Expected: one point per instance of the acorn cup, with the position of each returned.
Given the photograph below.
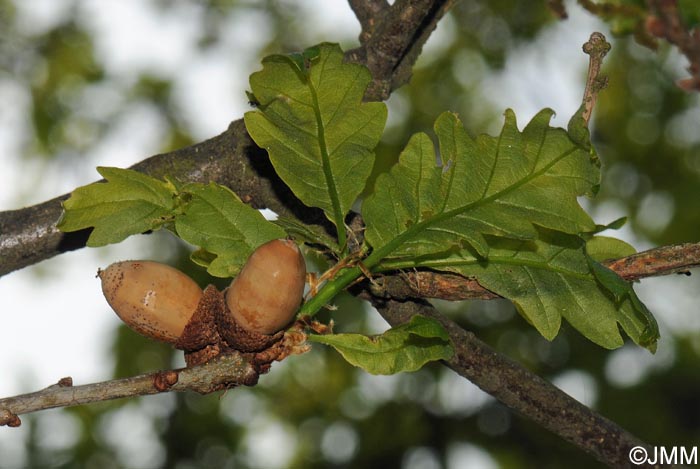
(162, 303)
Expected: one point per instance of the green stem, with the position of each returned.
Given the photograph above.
(329, 291)
(347, 276)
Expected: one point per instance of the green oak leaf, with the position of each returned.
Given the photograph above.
(319, 134)
(498, 186)
(226, 229)
(127, 203)
(403, 348)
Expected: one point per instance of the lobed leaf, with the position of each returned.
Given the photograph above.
(505, 210)
(403, 348)
(127, 203)
(319, 134)
(492, 186)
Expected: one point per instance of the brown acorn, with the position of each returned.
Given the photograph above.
(266, 294)
(153, 299)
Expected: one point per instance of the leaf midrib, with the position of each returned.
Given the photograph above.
(338, 218)
(394, 244)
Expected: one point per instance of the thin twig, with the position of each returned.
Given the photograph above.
(223, 372)
(596, 47)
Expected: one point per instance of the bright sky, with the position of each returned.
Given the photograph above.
(56, 322)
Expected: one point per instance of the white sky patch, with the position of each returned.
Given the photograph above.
(268, 443)
(39, 16)
(210, 94)
(131, 433)
(14, 131)
(458, 396)
(679, 315)
(134, 36)
(466, 456)
(210, 90)
(332, 21)
(135, 135)
(579, 385)
(629, 365)
(339, 442)
(421, 457)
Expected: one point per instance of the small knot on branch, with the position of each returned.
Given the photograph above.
(164, 380)
(597, 48)
(9, 418)
(597, 44)
(66, 382)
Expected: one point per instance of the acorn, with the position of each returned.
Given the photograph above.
(267, 293)
(153, 299)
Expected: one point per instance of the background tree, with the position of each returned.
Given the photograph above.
(317, 407)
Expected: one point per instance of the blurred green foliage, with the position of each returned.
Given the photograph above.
(316, 411)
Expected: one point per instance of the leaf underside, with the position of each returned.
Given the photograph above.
(505, 211)
(500, 186)
(551, 278)
(403, 348)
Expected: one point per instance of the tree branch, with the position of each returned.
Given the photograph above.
(596, 48)
(392, 45)
(368, 13)
(29, 235)
(223, 372)
(520, 389)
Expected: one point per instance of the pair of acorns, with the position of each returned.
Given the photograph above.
(162, 303)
